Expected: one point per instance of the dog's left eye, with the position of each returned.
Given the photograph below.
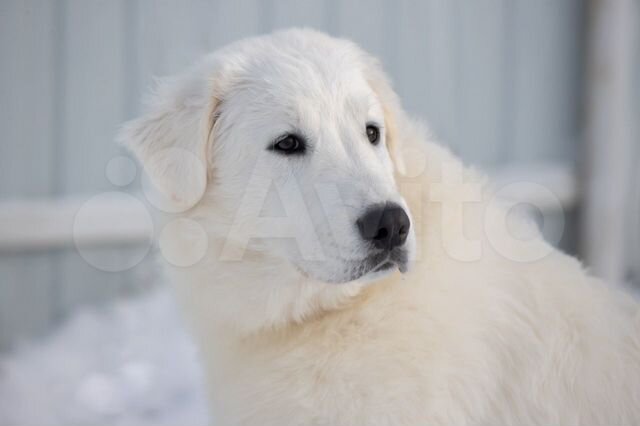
(289, 144)
(373, 134)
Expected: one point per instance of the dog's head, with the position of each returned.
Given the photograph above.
(286, 146)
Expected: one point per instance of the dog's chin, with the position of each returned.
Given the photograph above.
(381, 272)
(370, 269)
(395, 262)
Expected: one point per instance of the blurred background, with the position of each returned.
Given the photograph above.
(544, 91)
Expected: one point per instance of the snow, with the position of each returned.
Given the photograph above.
(131, 364)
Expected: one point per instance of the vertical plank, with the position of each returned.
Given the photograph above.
(27, 37)
(480, 80)
(633, 240)
(239, 19)
(296, 13)
(84, 283)
(547, 79)
(28, 34)
(94, 106)
(94, 76)
(26, 308)
(441, 80)
(414, 66)
(608, 169)
(169, 36)
(370, 23)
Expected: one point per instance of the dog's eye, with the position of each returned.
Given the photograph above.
(289, 144)
(373, 133)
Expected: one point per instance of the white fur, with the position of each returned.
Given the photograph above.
(483, 329)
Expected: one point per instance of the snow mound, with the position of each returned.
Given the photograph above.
(131, 364)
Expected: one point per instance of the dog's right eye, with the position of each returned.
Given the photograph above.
(289, 144)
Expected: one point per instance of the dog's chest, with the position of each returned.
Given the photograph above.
(341, 379)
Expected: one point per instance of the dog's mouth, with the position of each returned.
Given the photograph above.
(371, 268)
(385, 266)
(380, 263)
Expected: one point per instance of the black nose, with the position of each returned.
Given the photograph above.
(386, 226)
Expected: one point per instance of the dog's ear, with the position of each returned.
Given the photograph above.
(395, 118)
(172, 139)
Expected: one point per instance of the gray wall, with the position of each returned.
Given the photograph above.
(498, 80)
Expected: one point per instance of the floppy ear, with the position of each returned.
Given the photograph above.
(172, 139)
(395, 119)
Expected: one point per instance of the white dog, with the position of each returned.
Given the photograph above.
(339, 269)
